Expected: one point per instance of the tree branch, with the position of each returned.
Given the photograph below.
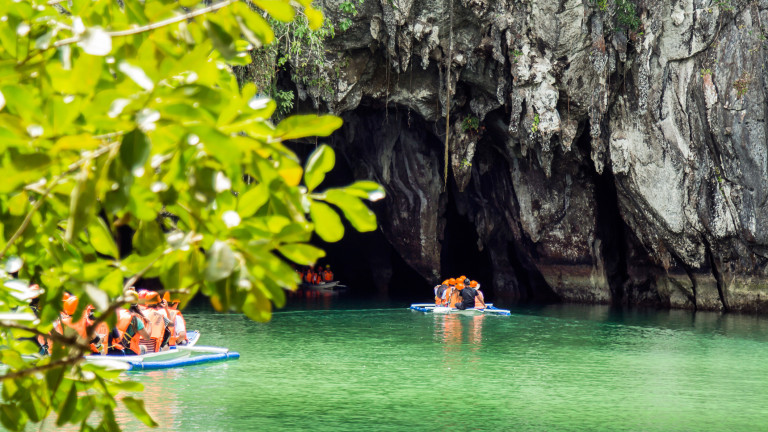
(153, 26)
(72, 360)
(54, 336)
(72, 168)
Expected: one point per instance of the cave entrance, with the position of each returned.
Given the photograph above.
(365, 262)
(460, 253)
(610, 227)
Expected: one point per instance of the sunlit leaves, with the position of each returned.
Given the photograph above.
(319, 163)
(129, 150)
(301, 126)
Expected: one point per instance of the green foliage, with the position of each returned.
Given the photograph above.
(470, 123)
(742, 85)
(704, 72)
(624, 12)
(535, 124)
(127, 114)
(515, 55)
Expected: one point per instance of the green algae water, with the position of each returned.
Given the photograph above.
(562, 368)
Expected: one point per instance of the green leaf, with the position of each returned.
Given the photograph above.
(301, 253)
(81, 203)
(101, 238)
(302, 126)
(360, 216)
(327, 222)
(220, 262)
(320, 162)
(366, 189)
(136, 406)
(134, 151)
(67, 408)
(251, 201)
(257, 25)
(11, 417)
(2, 101)
(279, 9)
(314, 17)
(222, 40)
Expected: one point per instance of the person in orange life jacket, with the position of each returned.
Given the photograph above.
(440, 291)
(454, 298)
(467, 295)
(479, 297)
(131, 327)
(309, 276)
(179, 325)
(161, 325)
(80, 326)
(327, 274)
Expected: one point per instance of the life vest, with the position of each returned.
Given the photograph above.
(453, 297)
(172, 318)
(328, 275)
(124, 319)
(81, 327)
(156, 319)
(479, 300)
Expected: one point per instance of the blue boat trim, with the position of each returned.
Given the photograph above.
(496, 310)
(187, 361)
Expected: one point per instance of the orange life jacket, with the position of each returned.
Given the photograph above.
(157, 319)
(309, 277)
(172, 317)
(124, 318)
(328, 275)
(81, 327)
(479, 300)
(454, 297)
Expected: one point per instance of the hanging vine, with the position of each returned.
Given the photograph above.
(448, 62)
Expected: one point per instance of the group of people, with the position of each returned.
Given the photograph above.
(316, 275)
(151, 324)
(460, 293)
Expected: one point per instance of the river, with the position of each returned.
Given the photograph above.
(386, 368)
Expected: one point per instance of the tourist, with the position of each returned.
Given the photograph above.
(479, 297)
(467, 295)
(328, 274)
(161, 325)
(131, 327)
(179, 336)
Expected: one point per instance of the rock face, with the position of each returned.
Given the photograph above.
(599, 160)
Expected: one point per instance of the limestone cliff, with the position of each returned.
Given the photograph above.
(597, 163)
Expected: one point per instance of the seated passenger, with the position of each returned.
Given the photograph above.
(179, 335)
(467, 295)
(131, 327)
(479, 298)
(440, 291)
(161, 326)
(327, 274)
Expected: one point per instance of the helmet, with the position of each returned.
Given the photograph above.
(473, 283)
(152, 298)
(70, 305)
(327, 266)
(461, 278)
(460, 286)
(451, 281)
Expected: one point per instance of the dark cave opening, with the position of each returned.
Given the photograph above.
(610, 227)
(365, 262)
(459, 253)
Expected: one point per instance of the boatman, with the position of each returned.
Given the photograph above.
(467, 295)
(479, 297)
(179, 325)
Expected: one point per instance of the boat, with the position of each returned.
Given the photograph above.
(430, 307)
(176, 356)
(332, 287)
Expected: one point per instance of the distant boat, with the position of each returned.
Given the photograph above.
(332, 287)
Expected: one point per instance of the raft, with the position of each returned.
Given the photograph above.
(332, 287)
(430, 307)
(178, 356)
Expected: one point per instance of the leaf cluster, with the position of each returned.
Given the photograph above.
(130, 150)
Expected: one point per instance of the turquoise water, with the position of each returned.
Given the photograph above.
(562, 368)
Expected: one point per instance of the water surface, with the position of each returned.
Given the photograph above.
(561, 368)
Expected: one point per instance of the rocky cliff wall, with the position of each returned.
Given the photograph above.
(599, 161)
